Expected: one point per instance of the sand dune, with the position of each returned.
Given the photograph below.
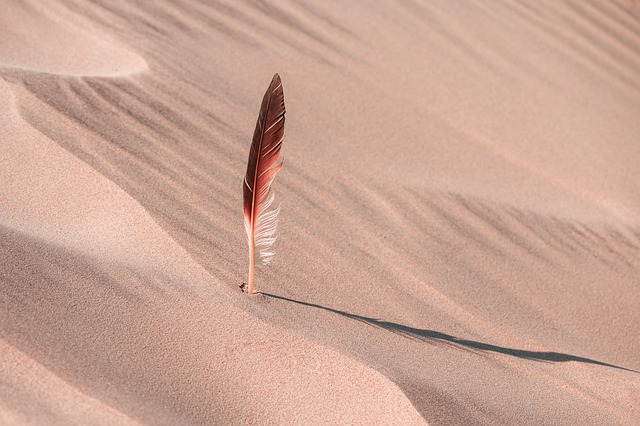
(459, 235)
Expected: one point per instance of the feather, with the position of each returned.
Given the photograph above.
(259, 219)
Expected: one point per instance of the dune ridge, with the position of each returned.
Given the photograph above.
(44, 39)
(459, 239)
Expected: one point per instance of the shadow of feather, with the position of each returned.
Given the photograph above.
(434, 337)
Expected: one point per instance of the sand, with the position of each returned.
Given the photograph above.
(459, 238)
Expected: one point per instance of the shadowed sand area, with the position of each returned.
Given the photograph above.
(459, 239)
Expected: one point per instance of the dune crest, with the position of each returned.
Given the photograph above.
(39, 396)
(42, 38)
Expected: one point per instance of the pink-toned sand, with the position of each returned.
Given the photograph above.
(459, 239)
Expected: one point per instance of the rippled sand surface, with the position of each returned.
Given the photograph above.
(459, 239)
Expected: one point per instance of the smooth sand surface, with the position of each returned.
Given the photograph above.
(459, 239)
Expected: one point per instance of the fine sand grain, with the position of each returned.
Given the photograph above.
(459, 240)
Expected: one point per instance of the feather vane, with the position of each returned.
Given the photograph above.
(260, 220)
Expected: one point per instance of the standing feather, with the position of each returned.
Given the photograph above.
(260, 222)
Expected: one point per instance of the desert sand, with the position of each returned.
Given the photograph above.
(459, 237)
